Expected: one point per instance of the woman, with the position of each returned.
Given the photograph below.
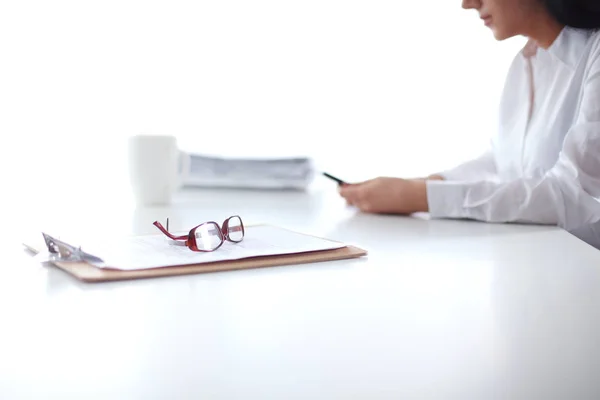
(544, 163)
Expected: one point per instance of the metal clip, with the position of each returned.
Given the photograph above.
(59, 251)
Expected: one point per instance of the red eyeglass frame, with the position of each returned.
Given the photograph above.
(190, 238)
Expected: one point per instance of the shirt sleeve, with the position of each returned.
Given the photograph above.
(480, 168)
(567, 195)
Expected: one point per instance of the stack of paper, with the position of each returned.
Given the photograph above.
(271, 173)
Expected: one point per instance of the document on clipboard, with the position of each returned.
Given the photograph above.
(157, 251)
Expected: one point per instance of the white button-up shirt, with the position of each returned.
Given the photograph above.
(544, 162)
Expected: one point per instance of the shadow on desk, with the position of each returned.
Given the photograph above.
(420, 227)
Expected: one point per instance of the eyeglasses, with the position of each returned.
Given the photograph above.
(209, 236)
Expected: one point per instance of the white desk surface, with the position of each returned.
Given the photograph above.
(439, 309)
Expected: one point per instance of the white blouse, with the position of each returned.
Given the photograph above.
(544, 162)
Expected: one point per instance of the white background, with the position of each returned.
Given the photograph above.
(365, 87)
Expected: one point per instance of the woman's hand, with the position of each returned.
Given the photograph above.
(387, 195)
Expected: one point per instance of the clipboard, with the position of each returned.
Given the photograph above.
(88, 273)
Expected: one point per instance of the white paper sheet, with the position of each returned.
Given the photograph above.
(155, 251)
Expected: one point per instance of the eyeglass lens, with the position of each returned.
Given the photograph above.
(208, 236)
(234, 229)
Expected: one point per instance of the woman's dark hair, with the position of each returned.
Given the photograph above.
(583, 14)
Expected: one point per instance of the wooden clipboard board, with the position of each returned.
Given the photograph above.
(88, 273)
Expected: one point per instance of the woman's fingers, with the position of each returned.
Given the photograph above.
(356, 195)
(350, 192)
(389, 195)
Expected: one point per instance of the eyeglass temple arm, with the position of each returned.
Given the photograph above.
(167, 233)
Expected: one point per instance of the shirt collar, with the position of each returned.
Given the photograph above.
(568, 47)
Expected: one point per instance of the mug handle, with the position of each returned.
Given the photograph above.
(185, 163)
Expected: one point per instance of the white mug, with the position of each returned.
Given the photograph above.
(157, 168)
